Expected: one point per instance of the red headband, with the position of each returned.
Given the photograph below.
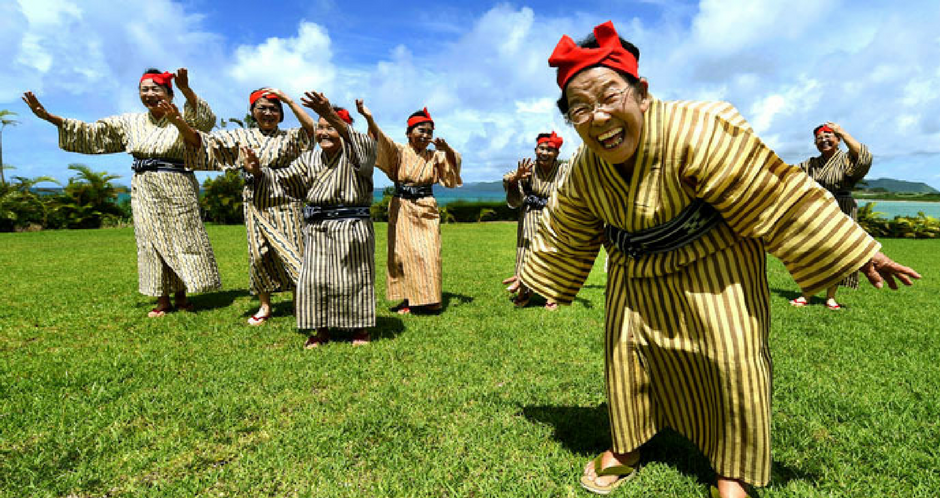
(344, 115)
(552, 140)
(570, 59)
(822, 129)
(416, 120)
(261, 94)
(164, 79)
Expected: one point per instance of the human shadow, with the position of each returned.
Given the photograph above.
(215, 300)
(386, 327)
(458, 299)
(586, 432)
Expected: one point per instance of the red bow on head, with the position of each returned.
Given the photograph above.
(822, 129)
(552, 140)
(416, 120)
(163, 79)
(570, 59)
(260, 94)
(344, 115)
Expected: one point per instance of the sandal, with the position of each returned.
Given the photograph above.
(834, 306)
(799, 302)
(156, 313)
(522, 299)
(626, 472)
(361, 338)
(256, 320)
(315, 341)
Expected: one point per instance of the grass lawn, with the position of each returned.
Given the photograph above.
(484, 400)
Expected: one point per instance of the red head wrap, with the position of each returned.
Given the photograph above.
(552, 140)
(164, 79)
(344, 115)
(260, 94)
(822, 129)
(416, 120)
(569, 58)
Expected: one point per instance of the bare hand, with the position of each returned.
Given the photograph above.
(182, 79)
(362, 109)
(525, 169)
(250, 162)
(279, 94)
(170, 112)
(441, 144)
(35, 106)
(836, 129)
(316, 101)
(882, 268)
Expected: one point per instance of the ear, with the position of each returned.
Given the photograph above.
(644, 99)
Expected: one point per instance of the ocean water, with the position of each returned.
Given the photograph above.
(890, 209)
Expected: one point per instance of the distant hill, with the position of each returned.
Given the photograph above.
(896, 186)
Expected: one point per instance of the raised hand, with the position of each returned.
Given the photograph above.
(882, 268)
(524, 169)
(279, 94)
(182, 79)
(250, 162)
(362, 109)
(170, 112)
(316, 101)
(35, 106)
(836, 129)
(441, 144)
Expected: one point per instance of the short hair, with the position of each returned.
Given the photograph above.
(153, 70)
(591, 42)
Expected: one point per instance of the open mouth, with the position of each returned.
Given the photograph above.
(611, 139)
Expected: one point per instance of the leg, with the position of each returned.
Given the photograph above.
(831, 302)
(182, 303)
(264, 311)
(731, 488)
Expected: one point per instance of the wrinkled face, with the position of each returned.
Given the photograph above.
(152, 94)
(420, 136)
(545, 154)
(266, 114)
(328, 137)
(615, 111)
(827, 143)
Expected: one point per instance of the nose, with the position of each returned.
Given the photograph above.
(599, 115)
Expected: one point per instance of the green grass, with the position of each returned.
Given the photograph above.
(484, 400)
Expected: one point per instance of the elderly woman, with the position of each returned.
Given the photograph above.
(273, 211)
(173, 250)
(414, 232)
(529, 188)
(688, 201)
(336, 286)
(837, 171)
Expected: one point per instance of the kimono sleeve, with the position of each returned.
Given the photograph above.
(388, 157)
(217, 151)
(513, 190)
(567, 241)
(760, 196)
(448, 175)
(104, 136)
(362, 151)
(199, 117)
(857, 169)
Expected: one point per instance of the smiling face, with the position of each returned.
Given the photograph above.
(327, 137)
(827, 143)
(545, 155)
(615, 119)
(151, 94)
(421, 135)
(266, 113)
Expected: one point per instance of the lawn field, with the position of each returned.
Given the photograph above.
(483, 400)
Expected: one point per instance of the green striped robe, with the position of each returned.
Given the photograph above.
(173, 250)
(686, 331)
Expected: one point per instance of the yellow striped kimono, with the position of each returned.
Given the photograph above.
(173, 249)
(686, 331)
(336, 286)
(542, 183)
(273, 219)
(839, 175)
(414, 226)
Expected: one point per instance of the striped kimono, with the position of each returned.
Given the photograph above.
(336, 286)
(273, 218)
(414, 226)
(687, 330)
(839, 175)
(541, 183)
(173, 250)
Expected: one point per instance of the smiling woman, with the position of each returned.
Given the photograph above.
(173, 250)
(687, 201)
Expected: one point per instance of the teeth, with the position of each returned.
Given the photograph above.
(609, 134)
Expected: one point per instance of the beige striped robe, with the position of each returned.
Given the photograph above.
(839, 175)
(542, 183)
(414, 226)
(173, 250)
(336, 287)
(273, 218)
(686, 331)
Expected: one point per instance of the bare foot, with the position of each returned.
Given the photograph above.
(731, 488)
(161, 309)
(609, 459)
(315, 341)
(361, 338)
(551, 306)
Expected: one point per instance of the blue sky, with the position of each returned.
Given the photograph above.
(480, 67)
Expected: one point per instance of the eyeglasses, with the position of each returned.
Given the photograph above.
(582, 113)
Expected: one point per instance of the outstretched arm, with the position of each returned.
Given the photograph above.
(307, 122)
(41, 111)
(881, 268)
(321, 105)
(182, 82)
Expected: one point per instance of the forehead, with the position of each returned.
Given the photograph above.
(263, 102)
(545, 146)
(593, 81)
(149, 83)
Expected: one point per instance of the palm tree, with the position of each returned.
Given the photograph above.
(5, 120)
(89, 198)
(21, 204)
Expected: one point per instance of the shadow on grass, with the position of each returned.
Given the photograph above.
(386, 327)
(586, 431)
(789, 294)
(458, 299)
(215, 300)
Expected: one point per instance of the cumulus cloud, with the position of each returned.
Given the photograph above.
(293, 64)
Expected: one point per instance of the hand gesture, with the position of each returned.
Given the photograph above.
(316, 101)
(182, 79)
(170, 112)
(35, 106)
(362, 109)
(836, 129)
(250, 162)
(279, 94)
(525, 169)
(441, 144)
(882, 268)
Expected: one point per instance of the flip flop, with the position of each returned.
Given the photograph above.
(316, 341)
(799, 302)
(361, 339)
(834, 307)
(256, 320)
(156, 313)
(626, 472)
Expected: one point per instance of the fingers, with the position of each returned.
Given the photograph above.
(872, 274)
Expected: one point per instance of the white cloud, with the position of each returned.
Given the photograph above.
(293, 64)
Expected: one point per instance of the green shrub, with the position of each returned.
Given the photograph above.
(222, 200)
